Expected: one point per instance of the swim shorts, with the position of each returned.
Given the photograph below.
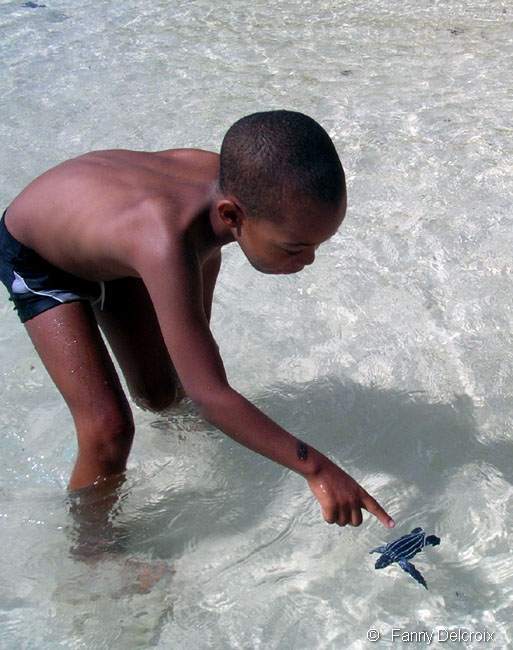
(35, 285)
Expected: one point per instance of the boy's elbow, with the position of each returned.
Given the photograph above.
(213, 401)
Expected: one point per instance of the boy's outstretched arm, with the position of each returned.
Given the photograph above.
(341, 498)
(172, 275)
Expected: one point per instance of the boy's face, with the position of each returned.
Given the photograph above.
(287, 247)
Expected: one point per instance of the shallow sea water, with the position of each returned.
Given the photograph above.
(392, 354)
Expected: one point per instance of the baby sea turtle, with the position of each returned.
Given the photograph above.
(403, 549)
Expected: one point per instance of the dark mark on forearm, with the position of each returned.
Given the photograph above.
(302, 450)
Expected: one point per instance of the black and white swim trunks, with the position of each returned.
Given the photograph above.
(35, 285)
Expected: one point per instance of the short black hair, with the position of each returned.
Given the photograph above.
(265, 153)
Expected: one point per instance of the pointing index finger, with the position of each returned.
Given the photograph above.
(371, 505)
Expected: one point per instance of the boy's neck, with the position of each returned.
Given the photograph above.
(218, 234)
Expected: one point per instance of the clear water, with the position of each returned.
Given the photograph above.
(392, 354)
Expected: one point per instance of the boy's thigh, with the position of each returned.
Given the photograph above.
(130, 325)
(69, 343)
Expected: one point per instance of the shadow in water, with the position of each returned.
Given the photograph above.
(377, 430)
(426, 450)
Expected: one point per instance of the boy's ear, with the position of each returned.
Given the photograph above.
(230, 212)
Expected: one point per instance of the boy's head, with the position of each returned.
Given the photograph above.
(283, 188)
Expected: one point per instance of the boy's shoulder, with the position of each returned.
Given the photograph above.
(189, 155)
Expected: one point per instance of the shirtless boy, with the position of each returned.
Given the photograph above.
(130, 242)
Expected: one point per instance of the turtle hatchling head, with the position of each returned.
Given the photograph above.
(383, 561)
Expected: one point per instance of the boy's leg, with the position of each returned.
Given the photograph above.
(130, 325)
(72, 349)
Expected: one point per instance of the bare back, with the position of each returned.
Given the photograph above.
(86, 214)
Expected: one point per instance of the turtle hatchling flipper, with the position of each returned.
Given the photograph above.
(432, 540)
(379, 549)
(410, 568)
(416, 530)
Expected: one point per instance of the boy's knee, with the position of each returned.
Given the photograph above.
(159, 400)
(107, 437)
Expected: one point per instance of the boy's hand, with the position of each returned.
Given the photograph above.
(341, 498)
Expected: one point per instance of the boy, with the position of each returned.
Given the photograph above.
(131, 242)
